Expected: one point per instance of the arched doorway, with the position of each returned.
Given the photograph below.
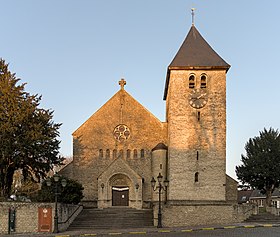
(120, 184)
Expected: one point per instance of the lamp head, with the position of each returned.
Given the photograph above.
(56, 177)
(166, 183)
(63, 183)
(153, 182)
(48, 182)
(159, 178)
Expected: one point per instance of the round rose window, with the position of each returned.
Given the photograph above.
(121, 132)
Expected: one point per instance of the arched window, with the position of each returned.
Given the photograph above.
(108, 153)
(191, 82)
(142, 153)
(128, 153)
(196, 177)
(203, 81)
(135, 153)
(100, 153)
(114, 154)
(121, 153)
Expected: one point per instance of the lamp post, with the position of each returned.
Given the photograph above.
(49, 183)
(161, 186)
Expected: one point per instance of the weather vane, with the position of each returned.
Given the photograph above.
(192, 15)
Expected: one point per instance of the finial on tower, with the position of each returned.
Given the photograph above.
(122, 83)
(193, 9)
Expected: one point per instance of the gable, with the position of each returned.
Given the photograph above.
(119, 166)
(122, 108)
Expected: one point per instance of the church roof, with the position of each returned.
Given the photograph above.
(195, 53)
(119, 109)
(160, 146)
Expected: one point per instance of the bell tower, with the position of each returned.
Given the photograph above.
(195, 94)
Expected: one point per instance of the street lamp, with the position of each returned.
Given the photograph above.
(49, 183)
(159, 187)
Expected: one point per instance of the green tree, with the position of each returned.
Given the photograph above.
(72, 193)
(261, 164)
(28, 136)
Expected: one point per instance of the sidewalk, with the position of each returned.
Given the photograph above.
(141, 231)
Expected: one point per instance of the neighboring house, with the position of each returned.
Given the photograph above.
(258, 198)
(244, 196)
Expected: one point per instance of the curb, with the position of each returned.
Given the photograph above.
(168, 230)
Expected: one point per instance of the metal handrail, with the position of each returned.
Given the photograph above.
(63, 222)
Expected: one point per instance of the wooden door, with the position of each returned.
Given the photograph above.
(120, 196)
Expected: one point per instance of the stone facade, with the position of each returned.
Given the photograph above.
(122, 146)
(100, 159)
(197, 145)
(205, 213)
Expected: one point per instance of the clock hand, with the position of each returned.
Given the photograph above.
(201, 96)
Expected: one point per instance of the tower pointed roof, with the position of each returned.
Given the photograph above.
(195, 53)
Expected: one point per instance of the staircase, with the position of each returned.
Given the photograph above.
(112, 218)
(264, 217)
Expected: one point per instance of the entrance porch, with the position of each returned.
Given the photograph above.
(119, 185)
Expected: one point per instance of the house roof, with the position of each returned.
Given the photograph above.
(258, 194)
(195, 53)
(244, 195)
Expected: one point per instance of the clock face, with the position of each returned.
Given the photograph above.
(198, 98)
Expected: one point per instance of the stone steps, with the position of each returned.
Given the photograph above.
(112, 218)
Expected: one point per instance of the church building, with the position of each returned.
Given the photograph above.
(123, 146)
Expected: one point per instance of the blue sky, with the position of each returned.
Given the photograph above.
(74, 53)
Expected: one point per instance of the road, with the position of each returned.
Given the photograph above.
(240, 232)
(237, 231)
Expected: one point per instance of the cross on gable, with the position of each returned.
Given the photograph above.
(122, 83)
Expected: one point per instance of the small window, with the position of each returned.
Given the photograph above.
(135, 153)
(160, 166)
(196, 177)
(121, 153)
(114, 154)
(107, 153)
(191, 81)
(100, 153)
(197, 155)
(198, 116)
(243, 198)
(203, 81)
(142, 153)
(128, 154)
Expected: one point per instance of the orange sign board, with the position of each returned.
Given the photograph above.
(44, 219)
